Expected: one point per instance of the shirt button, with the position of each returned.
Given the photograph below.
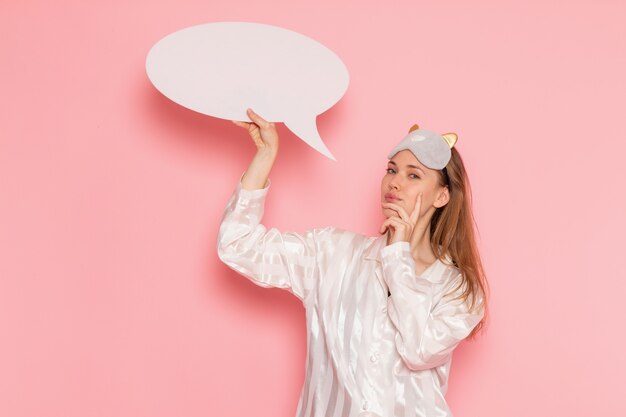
(374, 357)
(365, 405)
(384, 309)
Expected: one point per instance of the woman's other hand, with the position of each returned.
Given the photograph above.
(406, 227)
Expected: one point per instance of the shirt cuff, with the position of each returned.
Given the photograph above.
(395, 250)
(251, 195)
(398, 265)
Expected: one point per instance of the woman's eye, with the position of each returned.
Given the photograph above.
(415, 176)
(389, 170)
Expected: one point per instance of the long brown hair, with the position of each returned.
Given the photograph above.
(452, 232)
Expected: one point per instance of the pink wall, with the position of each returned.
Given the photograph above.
(112, 299)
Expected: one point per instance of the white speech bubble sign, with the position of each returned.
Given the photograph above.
(220, 69)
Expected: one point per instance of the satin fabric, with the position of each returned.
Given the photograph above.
(368, 353)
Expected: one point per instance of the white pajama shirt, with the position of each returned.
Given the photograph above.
(368, 353)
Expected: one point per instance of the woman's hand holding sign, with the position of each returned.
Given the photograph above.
(265, 137)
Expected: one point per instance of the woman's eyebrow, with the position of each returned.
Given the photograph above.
(410, 166)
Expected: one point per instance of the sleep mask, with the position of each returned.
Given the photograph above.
(430, 148)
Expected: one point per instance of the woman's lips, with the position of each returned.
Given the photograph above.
(391, 198)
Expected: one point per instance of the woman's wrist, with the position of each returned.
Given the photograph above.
(266, 153)
(259, 170)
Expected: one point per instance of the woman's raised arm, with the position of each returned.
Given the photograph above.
(269, 258)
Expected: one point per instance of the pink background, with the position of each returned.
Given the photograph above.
(112, 299)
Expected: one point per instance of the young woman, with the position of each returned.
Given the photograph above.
(383, 313)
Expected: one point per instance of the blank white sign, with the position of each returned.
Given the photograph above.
(222, 68)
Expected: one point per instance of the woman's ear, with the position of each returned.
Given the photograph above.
(443, 197)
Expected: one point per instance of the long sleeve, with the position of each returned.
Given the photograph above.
(268, 258)
(426, 333)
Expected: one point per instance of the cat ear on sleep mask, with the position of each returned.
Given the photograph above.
(430, 148)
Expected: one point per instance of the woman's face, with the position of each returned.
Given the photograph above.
(406, 177)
